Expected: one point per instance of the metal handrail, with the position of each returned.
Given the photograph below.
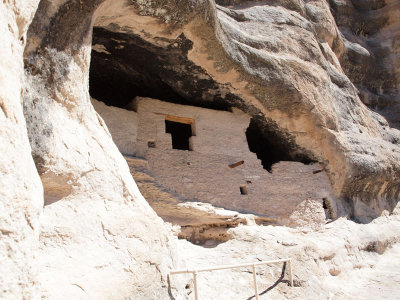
(253, 265)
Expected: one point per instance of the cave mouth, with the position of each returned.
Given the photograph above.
(114, 84)
(125, 65)
(270, 147)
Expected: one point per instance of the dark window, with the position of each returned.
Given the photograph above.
(243, 190)
(180, 133)
(324, 204)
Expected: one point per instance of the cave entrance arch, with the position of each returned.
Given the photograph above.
(270, 146)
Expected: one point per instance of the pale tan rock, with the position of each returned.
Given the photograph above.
(98, 236)
(308, 213)
(21, 192)
(370, 58)
(323, 92)
(338, 261)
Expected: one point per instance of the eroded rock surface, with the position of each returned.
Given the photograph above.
(98, 238)
(20, 188)
(343, 260)
(299, 71)
(371, 35)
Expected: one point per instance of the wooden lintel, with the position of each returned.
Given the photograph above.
(182, 120)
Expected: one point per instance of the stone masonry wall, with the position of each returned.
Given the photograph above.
(122, 125)
(204, 174)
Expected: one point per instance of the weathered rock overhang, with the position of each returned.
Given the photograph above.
(128, 66)
(124, 65)
(317, 117)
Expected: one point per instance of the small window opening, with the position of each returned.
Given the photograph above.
(180, 133)
(151, 144)
(243, 190)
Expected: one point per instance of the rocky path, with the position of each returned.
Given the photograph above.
(335, 262)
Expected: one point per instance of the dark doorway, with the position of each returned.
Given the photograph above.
(180, 133)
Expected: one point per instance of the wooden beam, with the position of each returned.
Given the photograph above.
(237, 164)
(182, 120)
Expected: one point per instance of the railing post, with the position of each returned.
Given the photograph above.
(287, 261)
(255, 282)
(290, 272)
(196, 294)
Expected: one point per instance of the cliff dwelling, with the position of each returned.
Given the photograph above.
(200, 155)
(190, 142)
(256, 140)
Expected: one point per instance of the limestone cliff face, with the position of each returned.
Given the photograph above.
(98, 238)
(371, 32)
(286, 63)
(20, 188)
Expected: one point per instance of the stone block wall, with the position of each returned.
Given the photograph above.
(205, 174)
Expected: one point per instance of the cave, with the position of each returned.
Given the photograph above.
(125, 65)
(112, 84)
(264, 150)
(270, 147)
(103, 230)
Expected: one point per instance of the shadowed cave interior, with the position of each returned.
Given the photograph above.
(129, 67)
